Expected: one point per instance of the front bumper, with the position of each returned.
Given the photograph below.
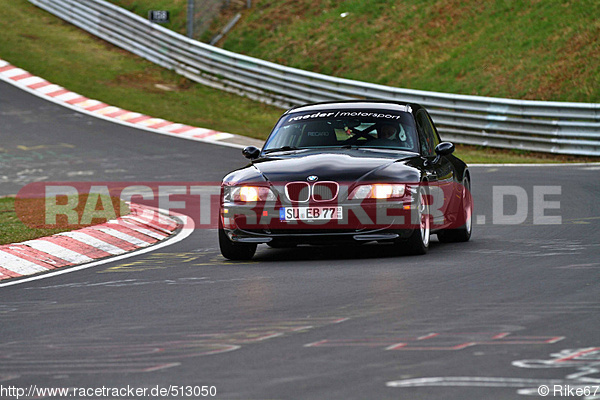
(361, 222)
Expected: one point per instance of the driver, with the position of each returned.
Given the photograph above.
(388, 131)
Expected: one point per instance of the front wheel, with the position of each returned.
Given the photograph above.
(418, 242)
(235, 251)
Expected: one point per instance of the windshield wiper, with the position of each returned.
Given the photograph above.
(284, 148)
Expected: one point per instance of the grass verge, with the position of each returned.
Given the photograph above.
(63, 54)
(24, 219)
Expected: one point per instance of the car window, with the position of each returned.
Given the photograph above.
(428, 138)
(434, 133)
(340, 128)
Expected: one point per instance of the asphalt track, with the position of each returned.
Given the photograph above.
(516, 308)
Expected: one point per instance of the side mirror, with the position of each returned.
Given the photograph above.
(251, 152)
(444, 149)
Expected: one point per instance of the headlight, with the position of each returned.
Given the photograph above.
(247, 194)
(378, 191)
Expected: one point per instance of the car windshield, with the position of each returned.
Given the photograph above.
(344, 128)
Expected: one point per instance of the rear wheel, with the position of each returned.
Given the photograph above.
(235, 251)
(462, 234)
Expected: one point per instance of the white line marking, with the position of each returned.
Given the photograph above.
(429, 336)
(315, 344)
(472, 381)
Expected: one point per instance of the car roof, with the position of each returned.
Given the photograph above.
(356, 104)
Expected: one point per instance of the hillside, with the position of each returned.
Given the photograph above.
(63, 54)
(543, 50)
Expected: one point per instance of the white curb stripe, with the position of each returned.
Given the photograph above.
(172, 127)
(92, 241)
(129, 115)
(88, 103)
(49, 89)
(58, 251)
(199, 132)
(152, 121)
(139, 229)
(107, 110)
(149, 222)
(67, 96)
(124, 236)
(13, 72)
(219, 136)
(32, 80)
(19, 265)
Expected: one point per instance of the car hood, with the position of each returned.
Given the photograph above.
(340, 165)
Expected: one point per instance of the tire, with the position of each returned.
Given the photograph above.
(235, 251)
(462, 234)
(418, 242)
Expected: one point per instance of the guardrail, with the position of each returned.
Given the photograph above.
(554, 127)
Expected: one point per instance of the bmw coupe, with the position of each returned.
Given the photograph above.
(347, 172)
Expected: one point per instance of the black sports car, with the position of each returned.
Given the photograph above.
(353, 171)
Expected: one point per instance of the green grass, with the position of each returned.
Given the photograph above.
(44, 45)
(24, 219)
(542, 50)
(298, 33)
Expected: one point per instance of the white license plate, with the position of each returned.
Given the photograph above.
(309, 213)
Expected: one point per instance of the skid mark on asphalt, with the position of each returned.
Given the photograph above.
(33, 152)
(513, 309)
(202, 280)
(580, 266)
(31, 162)
(584, 361)
(439, 341)
(134, 352)
(154, 261)
(534, 247)
(32, 309)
